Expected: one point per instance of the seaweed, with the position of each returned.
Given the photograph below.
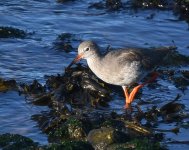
(16, 142)
(64, 42)
(11, 32)
(6, 85)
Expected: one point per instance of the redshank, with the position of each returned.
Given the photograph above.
(123, 67)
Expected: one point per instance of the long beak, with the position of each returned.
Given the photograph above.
(78, 57)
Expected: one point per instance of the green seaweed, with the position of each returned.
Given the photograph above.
(71, 129)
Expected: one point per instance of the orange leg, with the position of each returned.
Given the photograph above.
(134, 91)
(130, 97)
(127, 101)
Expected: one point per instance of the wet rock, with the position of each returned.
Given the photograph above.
(101, 138)
(16, 142)
(6, 85)
(64, 42)
(10, 32)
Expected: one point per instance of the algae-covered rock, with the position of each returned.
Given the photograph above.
(75, 128)
(101, 138)
(10, 32)
(72, 128)
(16, 142)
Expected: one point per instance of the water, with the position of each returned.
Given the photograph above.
(33, 57)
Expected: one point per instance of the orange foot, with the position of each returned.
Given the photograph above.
(130, 97)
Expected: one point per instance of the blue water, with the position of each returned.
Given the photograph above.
(34, 57)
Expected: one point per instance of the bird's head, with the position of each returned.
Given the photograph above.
(86, 49)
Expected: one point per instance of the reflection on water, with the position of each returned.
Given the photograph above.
(15, 117)
(33, 57)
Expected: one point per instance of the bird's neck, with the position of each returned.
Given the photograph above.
(94, 62)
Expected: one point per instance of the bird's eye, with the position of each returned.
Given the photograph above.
(87, 49)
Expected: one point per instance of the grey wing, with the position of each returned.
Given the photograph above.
(148, 58)
(129, 56)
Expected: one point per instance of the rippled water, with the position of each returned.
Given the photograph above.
(33, 57)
